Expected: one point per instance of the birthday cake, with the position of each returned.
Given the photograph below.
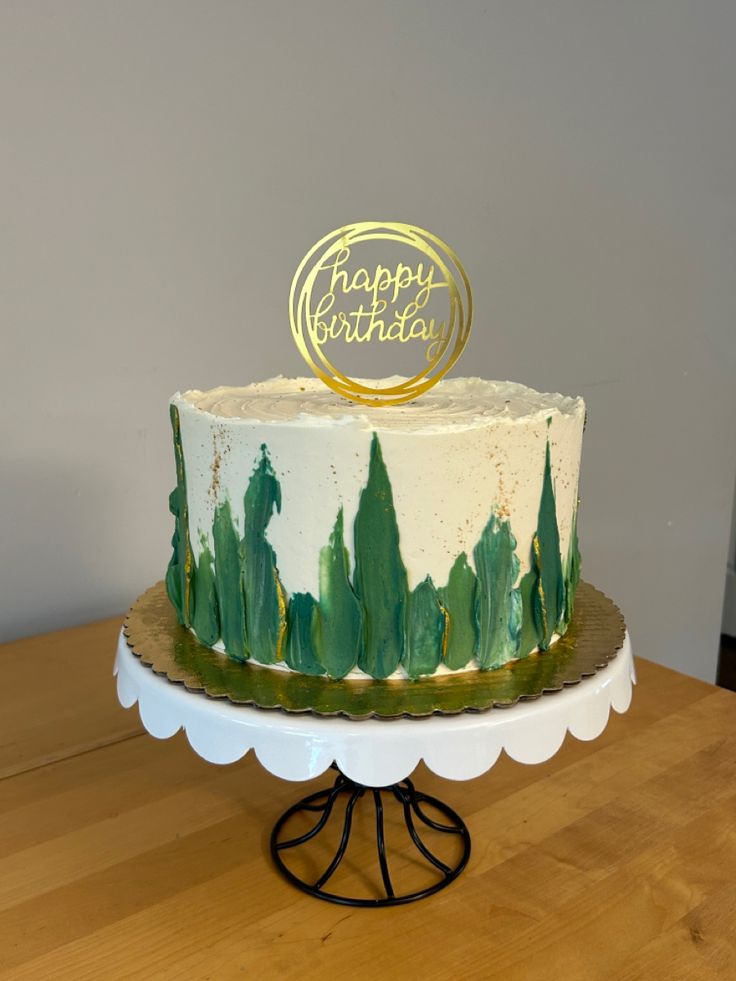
(321, 536)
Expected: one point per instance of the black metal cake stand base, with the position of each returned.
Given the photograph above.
(412, 803)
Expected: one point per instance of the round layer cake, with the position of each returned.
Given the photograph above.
(330, 538)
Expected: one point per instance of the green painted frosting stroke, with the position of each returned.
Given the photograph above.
(572, 569)
(543, 593)
(380, 577)
(459, 599)
(300, 647)
(179, 572)
(528, 637)
(549, 598)
(339, 634)
(265, 605)
(206, 617)
(425, 630)
(499, 603)
(228, 565)
(174, 572)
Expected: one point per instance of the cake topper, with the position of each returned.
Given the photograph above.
(422, 301)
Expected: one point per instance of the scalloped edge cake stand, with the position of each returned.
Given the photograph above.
(374, 757)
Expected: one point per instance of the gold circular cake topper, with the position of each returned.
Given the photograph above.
(335, 301)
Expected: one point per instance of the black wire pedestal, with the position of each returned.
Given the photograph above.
(411, 801)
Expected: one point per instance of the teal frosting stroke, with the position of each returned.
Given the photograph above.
(380, 577)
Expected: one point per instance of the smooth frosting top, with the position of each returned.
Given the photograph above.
(454, 403)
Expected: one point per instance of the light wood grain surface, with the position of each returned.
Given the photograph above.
(125, 857)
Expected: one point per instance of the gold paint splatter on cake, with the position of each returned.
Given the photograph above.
(214, 489)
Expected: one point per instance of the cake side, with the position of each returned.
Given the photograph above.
(325, 536)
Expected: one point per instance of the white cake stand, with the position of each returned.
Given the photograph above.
(375, 756)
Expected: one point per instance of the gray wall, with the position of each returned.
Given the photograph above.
(165, 165)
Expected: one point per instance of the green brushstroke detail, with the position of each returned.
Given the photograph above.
(173, 571)
(460, 600)
(528, 638)
(380, 577)
(425, 627)
(572, 569)
(339, 632)
(206, 616)
(300, 651)
(499, 603)
(264, 595)
(543, 587)
(549, 596)
(228, 563)
(179, 571)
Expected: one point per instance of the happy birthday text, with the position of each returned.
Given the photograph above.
(382, 288)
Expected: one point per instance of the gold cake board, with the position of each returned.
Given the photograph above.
(594, 637)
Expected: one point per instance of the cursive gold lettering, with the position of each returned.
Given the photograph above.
(381, 286)
(338, 275)
(321, 333)
(439, 342)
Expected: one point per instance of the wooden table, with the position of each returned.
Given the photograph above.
(125, 857)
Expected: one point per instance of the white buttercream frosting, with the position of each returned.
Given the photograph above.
(454, 403)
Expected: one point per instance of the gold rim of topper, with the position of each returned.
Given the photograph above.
(448, 350)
